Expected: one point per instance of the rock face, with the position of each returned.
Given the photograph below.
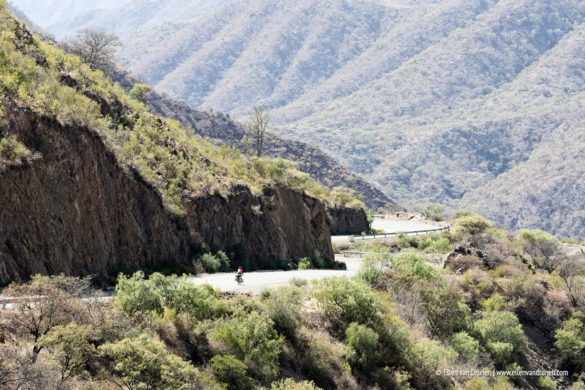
(346, 220)
(78, 211)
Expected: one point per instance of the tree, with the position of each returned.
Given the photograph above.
(232, 372)
(258, 127)
(433, 212)
(502, 335)
(572, 272)
(72, 347)
(95, 48)
(570, 341)
(544, 249)
(362, 347)
(45, 303)
(140, 92)
(252, 339)
(344, 301)
(143, 363)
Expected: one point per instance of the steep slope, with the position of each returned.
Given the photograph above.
(221, 129)
(93, 183)
(431, 99)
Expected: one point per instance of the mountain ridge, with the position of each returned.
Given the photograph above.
(430, 100)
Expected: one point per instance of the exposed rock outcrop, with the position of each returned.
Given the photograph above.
(78, 211)
(345, 220)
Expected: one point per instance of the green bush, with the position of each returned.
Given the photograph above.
(433, 212)
(231, 372)
(502, 336)
(466, 346)
(426, 357)
(445, 310)
(141, 362)
(13, 152)
(283, 306)
(469, 225)
(570, 341)
(434, 243)
(413, 264)
(252, 339)
(72, 347)
(547, 383)
(215, 263)
(544, 249)
(137, 296)
(289, 384)
(344, 301)
(140, 92)
(362, 347)
(305, 264)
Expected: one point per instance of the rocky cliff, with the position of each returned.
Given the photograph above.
(78, 211)
(345, 220)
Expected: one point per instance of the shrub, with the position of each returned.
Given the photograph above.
(140, 92)
(469, 225)
(414, 265)
(502, 336)
(289, 384)
(232, 372)
(344, 301)
(445, 310)
(543, 249)
(570, 341)
(547, 383)
(252, 339)
(72, 347)
(433, 212)
(434, 243)
(324, 361)
(215, 263)
(13, 153)
(375, 265)
(137, 296)
(426, 357)
(283, 306)
(305, 264)
(362, 347)
(141, 362)
(466, 346)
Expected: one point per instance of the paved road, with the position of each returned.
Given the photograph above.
(393, 226)
(257, 281)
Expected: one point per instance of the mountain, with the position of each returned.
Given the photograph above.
(222, 129)
(437, 101)
(94, 183)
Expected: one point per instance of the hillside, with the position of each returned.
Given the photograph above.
(94, 183)
(475, 308)
(435, 101)
(222, 129)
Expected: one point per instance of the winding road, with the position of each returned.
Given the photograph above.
(257, 281)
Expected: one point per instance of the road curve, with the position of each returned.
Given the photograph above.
(255, 282)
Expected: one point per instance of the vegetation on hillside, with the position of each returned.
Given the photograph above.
(464, 102)
(41, 77)
(406, 321)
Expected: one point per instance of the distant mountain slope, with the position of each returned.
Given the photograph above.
(221, 129)
(434, 100)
